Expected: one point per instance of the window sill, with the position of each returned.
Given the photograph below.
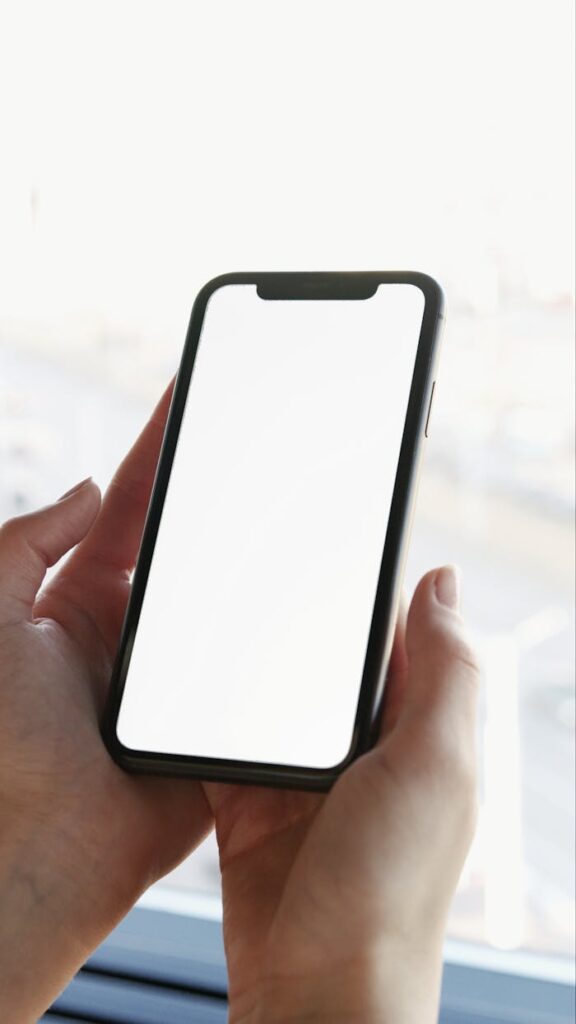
(165, 962)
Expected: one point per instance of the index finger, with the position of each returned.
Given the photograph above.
(114, 539)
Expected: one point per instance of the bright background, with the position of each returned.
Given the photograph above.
(146, 147)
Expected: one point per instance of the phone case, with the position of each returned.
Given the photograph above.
(313, 286)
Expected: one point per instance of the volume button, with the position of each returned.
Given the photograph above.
(429, 409)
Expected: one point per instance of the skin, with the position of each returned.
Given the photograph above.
(335, 905)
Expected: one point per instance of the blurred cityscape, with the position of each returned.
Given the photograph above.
(496, 496)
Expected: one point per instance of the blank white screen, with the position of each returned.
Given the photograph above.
(254, 626)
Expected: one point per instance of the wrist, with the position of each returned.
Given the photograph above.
(44, 927)
(389, 987)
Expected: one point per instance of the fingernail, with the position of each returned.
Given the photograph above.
(77, 487)
(447, 586)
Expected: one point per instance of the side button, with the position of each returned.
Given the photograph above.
(429, 409)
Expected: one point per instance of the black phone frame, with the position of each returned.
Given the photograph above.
(313, 286)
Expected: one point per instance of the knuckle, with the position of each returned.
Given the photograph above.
(463, 651)
(446, 647)
(8, 526)
(10, 531)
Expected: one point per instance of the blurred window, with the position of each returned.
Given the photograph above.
(148, 147)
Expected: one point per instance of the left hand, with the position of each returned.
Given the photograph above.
(80, 838)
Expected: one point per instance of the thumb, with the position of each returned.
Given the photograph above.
(31, 543)
(443, 671)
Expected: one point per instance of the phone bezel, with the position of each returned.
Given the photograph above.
(315, 287)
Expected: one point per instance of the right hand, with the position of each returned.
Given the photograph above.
(335, 906)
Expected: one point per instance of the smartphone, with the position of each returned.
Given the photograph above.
(258, 632)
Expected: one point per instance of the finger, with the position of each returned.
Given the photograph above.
(443, 672)
(396, 676)
(114, 541)
(31, 543)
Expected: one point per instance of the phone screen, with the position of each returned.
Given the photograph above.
(254, 626)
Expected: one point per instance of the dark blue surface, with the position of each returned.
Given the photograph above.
(164, 968)
(174, 948)
(126, 1002)
(475, 995)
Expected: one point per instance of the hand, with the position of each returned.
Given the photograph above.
(80, 839)
(335, 906)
